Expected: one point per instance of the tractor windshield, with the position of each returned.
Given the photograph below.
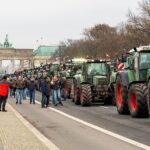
(97, 69)
(144, 60)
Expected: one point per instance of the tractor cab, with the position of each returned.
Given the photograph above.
(139, 63)
(144, 65)
(72, 67)
(96, 72)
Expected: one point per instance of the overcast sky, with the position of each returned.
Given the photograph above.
(26, 21)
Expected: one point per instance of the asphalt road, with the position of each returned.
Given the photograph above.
(68, 134)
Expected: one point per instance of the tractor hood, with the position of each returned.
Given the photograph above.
(99, 80)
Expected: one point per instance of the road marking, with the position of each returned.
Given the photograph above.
(115, 135)
(38, 134)
(106, 107)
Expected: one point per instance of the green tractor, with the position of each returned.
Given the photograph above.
(133, 84)
(91, 83)
(70, 69)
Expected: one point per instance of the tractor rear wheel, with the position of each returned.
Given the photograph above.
(121, 94)
(77, 96)
(111, 98)
(69, 85)
(85, 95)
(148, 96)
(73, 92)
(137, 101)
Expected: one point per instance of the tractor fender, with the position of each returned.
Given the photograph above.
(134, 82)
(124, 78)
(85, 83)
(69, 77)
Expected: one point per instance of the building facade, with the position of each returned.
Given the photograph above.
(43, 54)
(10, 54)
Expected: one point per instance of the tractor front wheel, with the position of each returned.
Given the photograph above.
(69, 86)
(85, 95)
(137, 101)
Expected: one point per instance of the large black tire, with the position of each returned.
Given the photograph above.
(85, 95)
(148, 96)
(111, 100)
(69, 83)
(137, 101)
(73, 92)
(77, 96)
(121, 94)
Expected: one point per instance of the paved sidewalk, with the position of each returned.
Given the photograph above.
(14, 135)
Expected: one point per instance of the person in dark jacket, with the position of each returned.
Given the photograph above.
(48, 91)
(43, 91)
(32, 85)
(14, 86)
(11, 88)
(63, 87)
(55, 83)
(4, 88)
(19, 89)
(25, 88)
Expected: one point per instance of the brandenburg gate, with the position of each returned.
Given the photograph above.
(7, 52)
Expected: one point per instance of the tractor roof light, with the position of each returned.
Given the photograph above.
(69, 61)
(79, 60)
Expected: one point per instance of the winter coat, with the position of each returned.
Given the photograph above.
(56, 85)
(43, 86)
(32, 85)
(4, 86)
(48, 88)
(63, 83)
(20, 84)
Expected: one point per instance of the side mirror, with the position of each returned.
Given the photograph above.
(115, 69)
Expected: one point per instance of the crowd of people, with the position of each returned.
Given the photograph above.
(21, 87)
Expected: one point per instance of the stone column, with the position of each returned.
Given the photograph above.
(21, 64)
(1, 69)
(13, 65)
(0, 64)
(31, 63)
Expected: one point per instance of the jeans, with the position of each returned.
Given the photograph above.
(25, 93)
(19, 95)
(11, 92)
(63, 93)
(14, 92)
(43, 101)
(32, 96)
(56, 96)
(47, 100)
(3, 100)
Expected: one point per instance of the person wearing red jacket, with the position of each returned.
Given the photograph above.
(4, 88)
